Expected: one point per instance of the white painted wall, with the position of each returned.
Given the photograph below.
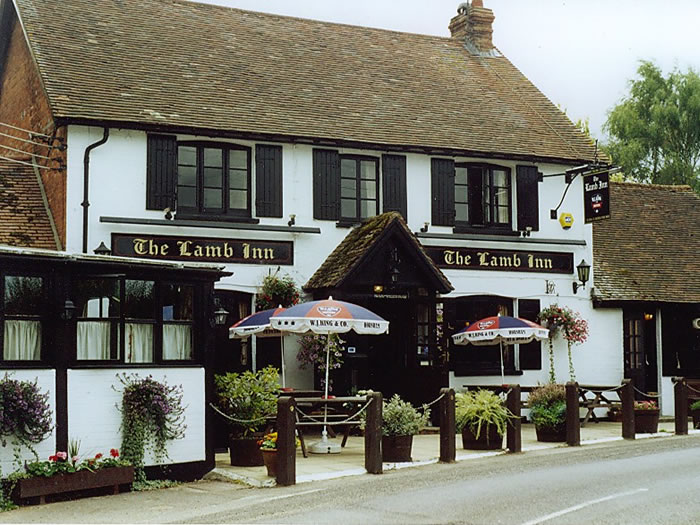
(46, 380)
(94, 419)
(118, 188)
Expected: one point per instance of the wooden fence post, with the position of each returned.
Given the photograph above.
(514, 432)
(286, 441)
(448, 450)
(680, 399)
(373, 434)
(573, 421)
(627, 399)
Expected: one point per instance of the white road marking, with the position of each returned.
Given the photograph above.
(285, 496)
(580, 506)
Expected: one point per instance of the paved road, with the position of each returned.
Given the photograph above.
(652, 481)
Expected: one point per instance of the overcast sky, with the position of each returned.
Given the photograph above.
(580, 53)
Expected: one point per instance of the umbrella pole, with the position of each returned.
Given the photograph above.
(503, 375)
(324, 446)
(284, 381)
(325, 410)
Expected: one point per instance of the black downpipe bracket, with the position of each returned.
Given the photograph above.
(86, 184)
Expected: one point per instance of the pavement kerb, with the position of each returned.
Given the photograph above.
(221, 474)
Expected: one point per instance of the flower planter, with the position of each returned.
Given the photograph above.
(396, 449)
(646, 421)
(551, 434)
(270, 460)
(488, 439)
(40, 487)
(245, 452)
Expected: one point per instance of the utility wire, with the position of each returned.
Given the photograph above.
(25, 130)
(25, 152)
(27, 163)
(25, 140)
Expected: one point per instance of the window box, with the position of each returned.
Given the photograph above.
(82, 483)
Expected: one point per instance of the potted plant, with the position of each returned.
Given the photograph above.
(247, 400)
(400, 422)
(268, 447)
(646, 417)
(482, 418)
(695, 412)
(548, 412)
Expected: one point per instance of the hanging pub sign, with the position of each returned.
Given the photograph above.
(203, 249)
(596, 196)
(500, 260)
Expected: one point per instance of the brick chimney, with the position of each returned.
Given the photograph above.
(473, 24)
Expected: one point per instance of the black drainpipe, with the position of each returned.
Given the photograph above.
(86, 180)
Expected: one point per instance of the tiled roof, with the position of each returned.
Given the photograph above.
(351, 252)
(23, 217)
(190, 65)
(649, 249)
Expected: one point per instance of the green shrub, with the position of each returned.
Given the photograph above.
(247, 399)
(401, 418)
(478, 408)
(548, 405)
(549, 416)
(695, 405)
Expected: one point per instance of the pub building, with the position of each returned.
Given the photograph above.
(422, 177)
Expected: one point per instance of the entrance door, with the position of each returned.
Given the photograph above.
(640, 350)
(232, 355)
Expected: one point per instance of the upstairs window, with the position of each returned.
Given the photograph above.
(346, 187)
(482, 196)
(479, 197)
(22, 321)
(358, 187)
(213, 180)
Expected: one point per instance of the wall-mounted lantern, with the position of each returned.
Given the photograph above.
(68, 310)
(583, 271)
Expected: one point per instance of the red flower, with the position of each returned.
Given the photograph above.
(53, 458)
(98, 456)
(114, 453)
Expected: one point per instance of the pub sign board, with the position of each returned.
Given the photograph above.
(500, 260)
(203, 249)
(596, 196)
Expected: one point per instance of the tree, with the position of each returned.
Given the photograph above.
(655, 130)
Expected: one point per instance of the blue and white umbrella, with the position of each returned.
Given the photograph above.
(500, 329)
(328, 316)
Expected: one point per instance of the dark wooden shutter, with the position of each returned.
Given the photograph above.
(527, 179)
(268, 181)
(394, 184)
(161, 171)
(443, 191)
(530, 353)
(326, 180)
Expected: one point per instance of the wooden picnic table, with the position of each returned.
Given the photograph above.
(311, 414)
